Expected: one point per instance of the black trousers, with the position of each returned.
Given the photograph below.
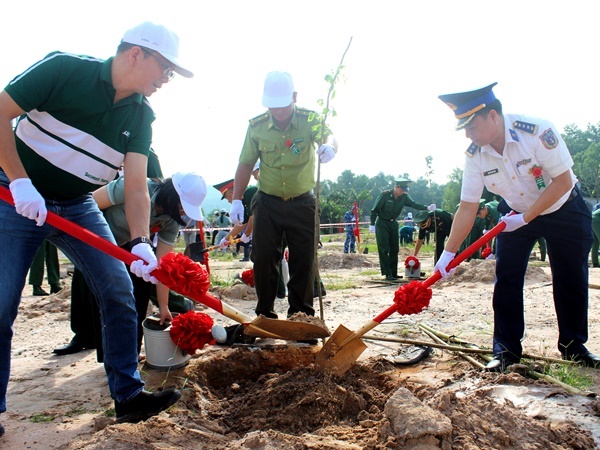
(274, 220)
(568, 234)
(85, 313)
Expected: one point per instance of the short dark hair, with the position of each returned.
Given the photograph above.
(168, 199)
(496, 105)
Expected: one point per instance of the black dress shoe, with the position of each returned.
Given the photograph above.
(145, 405)
(71, 347)
(38, 291)
(1, 430)
(585, 359)
(54, 288)
(498, 364)
(390, 278)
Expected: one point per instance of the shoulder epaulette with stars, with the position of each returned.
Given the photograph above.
(530, 128)
(473, 148)
(259, 119)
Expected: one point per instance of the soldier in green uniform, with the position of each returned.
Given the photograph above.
(438, 222)
(384, 223)
(479, 225)
(285, 139)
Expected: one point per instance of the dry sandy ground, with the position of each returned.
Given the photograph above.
(273, 397)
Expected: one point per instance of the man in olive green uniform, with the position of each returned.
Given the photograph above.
(438, 222)
(384, 223)
(284, 138)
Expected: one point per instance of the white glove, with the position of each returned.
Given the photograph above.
(513, 222)
(28, 201)
(326, 153)
(245, 239)
(371, 228)
(224, 243)
(443, 262)
(486, 231)
(142, 267)
(236, 213)
(431, 207)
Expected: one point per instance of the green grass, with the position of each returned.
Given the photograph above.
(218, 281)
(76, 411)
(41, 418)
(573, 375)
(337, 283)
(370, 272)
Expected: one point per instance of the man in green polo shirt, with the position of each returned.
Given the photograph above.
(284, 206)
(384, 223)
(80, 119)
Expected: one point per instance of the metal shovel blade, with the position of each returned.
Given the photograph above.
(335, 359)
(286, 329)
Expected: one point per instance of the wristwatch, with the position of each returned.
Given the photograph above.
(140, 240)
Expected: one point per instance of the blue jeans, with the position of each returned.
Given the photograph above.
(108, 278)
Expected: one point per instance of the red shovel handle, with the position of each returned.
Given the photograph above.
(487, 237)
(99, 243)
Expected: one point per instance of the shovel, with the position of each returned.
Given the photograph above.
(260, 327)
(344, 347)
(214, 247)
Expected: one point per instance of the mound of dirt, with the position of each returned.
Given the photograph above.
(238, 398)
(483, 271)
(340, 260)
(239, 291)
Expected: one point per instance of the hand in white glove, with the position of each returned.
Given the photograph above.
(486, 231)
(431, 207)
(371, 228)
(224, 243)
(513, 222)
(236, 213)
(245, 239)
(28, 201)
(443, 262)
(326, 153)
(142, 267)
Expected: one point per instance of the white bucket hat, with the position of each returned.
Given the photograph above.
(191, 189)
(160, 39)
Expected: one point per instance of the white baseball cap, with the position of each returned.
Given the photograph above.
(160, 39)
(279, 90)
(191, 189)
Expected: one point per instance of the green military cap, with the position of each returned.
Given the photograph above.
(421, 216)
(402, 182)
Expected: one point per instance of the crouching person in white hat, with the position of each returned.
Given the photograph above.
(183, 193)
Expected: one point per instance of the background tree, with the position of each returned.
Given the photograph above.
(586, 165)
(452, 190)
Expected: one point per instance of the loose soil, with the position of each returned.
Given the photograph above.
(272, 395)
